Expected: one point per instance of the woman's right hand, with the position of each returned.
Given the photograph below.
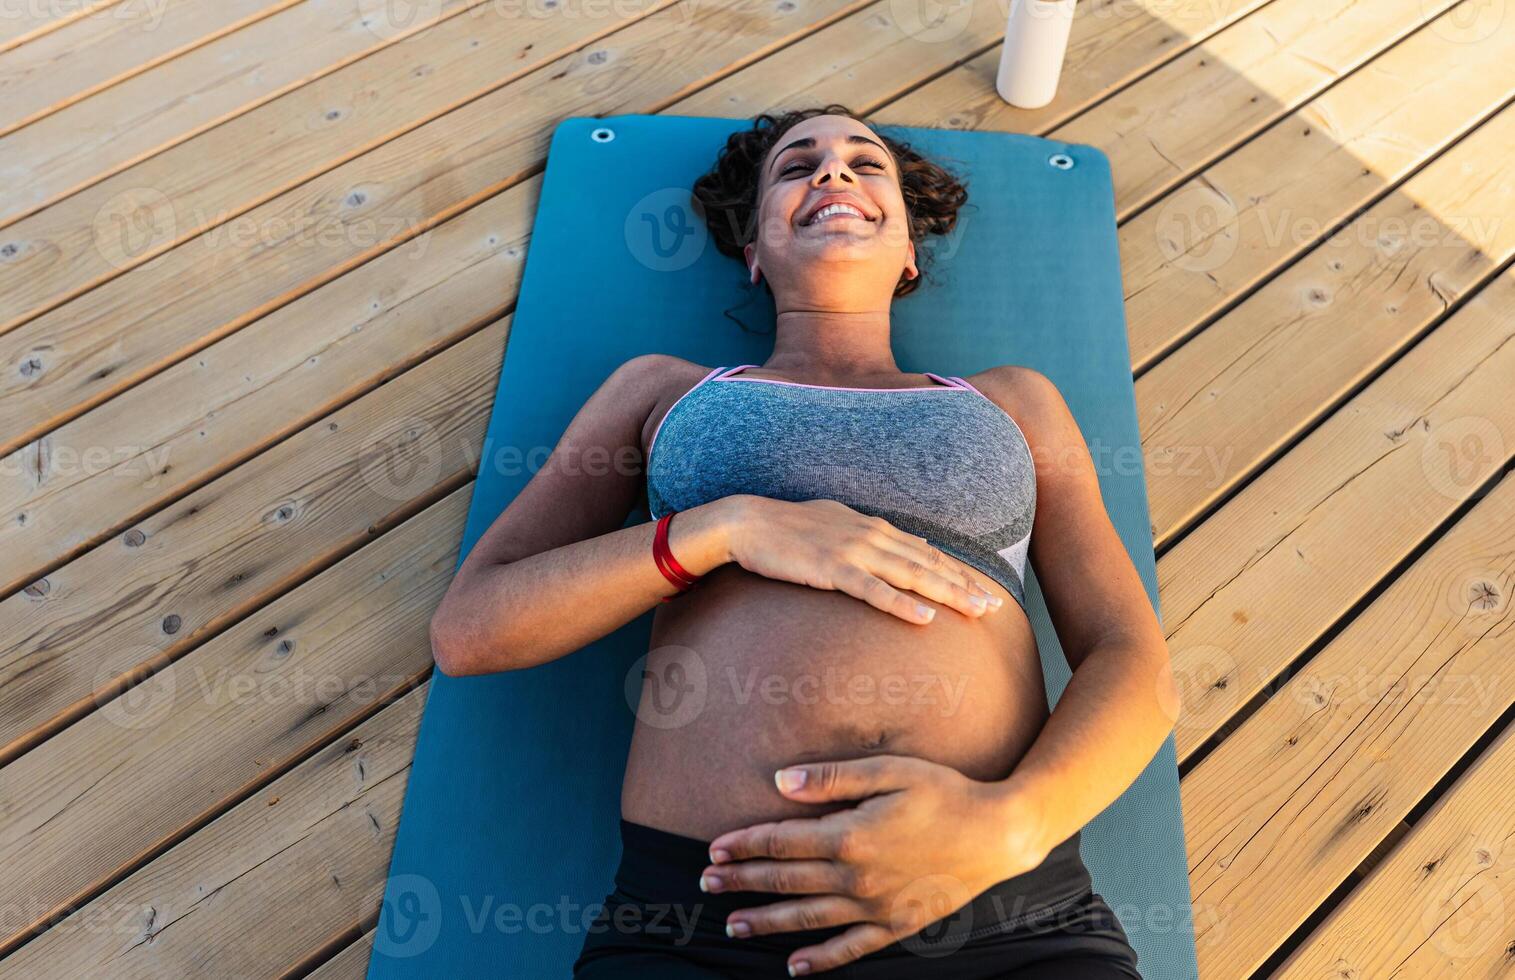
(827, 545)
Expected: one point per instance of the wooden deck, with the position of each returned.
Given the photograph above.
(258, 260)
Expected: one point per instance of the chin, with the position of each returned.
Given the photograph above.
(843, 247)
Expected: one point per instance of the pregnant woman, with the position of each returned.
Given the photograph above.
(843, 758)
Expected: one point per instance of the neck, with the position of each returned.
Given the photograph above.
(827, 343)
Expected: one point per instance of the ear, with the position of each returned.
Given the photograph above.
(749, 252)
(910, 261)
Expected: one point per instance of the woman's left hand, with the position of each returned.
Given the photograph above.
(922, 843)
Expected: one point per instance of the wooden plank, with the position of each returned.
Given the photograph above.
(61, 247)
(91, 54)
(173, 196)
(1213, 412)
(1265, 576)
(300, 860)
(1218, 235)
(236, 713)
(1307, 788)
(866, 58)
(71, 505)
(350, 964)
(176, 304)
(1112, 43)
(79, 518)
(190, 570)
(169, 435)
(1182, 116)
(1439, 906)
(147, 114)
(28, 22)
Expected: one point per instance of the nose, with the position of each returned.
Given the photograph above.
(833, 165)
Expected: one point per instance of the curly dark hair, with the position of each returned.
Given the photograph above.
(728, 193)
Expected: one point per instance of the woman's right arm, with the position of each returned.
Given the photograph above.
(557, 570)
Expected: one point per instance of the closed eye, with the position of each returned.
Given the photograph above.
(864, 161)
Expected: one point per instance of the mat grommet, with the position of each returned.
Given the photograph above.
(1061, 161)
(602, 134)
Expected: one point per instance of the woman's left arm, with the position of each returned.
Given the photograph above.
(885, 864)
(1121, 701)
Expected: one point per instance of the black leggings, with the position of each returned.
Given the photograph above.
(1046, 924)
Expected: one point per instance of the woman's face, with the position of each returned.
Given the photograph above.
(838, 257)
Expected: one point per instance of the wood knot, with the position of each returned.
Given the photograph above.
(171, 624)
(39, 588)
(134, 538)
(1485, 596)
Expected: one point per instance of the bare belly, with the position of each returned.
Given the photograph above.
(746, 675)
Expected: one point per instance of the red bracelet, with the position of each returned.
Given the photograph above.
(667, 564)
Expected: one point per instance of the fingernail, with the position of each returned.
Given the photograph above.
(716, 857)
(996, 601)
(799, 969)
(789, 780)
(738, 930)
(710, 883)
(980, 602)
(924, 611)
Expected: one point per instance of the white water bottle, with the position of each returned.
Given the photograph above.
(1036, 38)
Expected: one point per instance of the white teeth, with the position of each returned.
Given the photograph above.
(834, 209)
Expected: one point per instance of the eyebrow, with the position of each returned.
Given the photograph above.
(807, 142)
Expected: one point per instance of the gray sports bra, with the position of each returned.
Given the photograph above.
(943, 462)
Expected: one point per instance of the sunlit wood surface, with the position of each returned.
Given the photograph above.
(258, 262)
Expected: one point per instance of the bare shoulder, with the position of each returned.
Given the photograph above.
(653, 375)
(1029, 396)
(653, 382)
(1058, 447)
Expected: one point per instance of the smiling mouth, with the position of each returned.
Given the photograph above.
(836, 211)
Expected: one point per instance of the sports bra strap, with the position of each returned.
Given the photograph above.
(970, 387)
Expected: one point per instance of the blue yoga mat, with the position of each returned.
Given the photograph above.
(509, 835)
